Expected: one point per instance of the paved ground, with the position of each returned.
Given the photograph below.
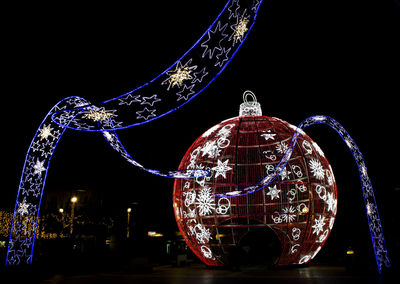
(200, 274)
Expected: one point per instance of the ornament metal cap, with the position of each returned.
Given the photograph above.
(250, 107)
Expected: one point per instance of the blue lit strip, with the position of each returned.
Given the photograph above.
(374, 223)
(182, 81)
(30, 192)
(167, 92)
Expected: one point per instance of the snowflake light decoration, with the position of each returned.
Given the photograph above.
(205, 202)
(316, 169)
(318, 225)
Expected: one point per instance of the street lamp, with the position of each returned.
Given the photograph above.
(74, 199)
(129, 210)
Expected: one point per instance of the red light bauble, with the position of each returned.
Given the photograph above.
(299, 206)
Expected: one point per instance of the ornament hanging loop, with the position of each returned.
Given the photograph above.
(251, 94)
(252, 108)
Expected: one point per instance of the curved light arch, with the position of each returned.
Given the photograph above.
(181, 82)
(167, 92)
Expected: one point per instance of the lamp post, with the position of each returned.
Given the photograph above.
(74, 199)
(128, 211)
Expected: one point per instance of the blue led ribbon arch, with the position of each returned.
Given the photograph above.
(182, 81)
(374, 223)
(167, 92)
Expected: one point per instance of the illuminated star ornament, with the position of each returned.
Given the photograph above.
(179, 75)
(221, 168)
(273, 192)
(45, 132)
(240, 29)
(99, 114)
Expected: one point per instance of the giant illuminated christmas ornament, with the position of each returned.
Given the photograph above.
(263, 172)
(177, 85)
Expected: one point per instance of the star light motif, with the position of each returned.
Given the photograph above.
(273, 192)
(370, 209)
(233, 9)
(240, 29)
(185, 93)
(150, 100)
(45, 132)
(39, 168)
(268, 135)
(284, 174)
(213, 43)
(23, 207)
(100, 114)
(198, 76)
(145, 113)
(210, 149)
(222, 57)
(179, 75)
(221, 168)
(129, 99)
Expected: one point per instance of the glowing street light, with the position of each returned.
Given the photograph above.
(129, 210)
(74, 199)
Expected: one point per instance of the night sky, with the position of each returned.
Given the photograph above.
(302, 58)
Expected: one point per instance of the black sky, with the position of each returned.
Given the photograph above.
(302, 58)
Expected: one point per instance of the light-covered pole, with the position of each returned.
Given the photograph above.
(74, 199)
(128, 211)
